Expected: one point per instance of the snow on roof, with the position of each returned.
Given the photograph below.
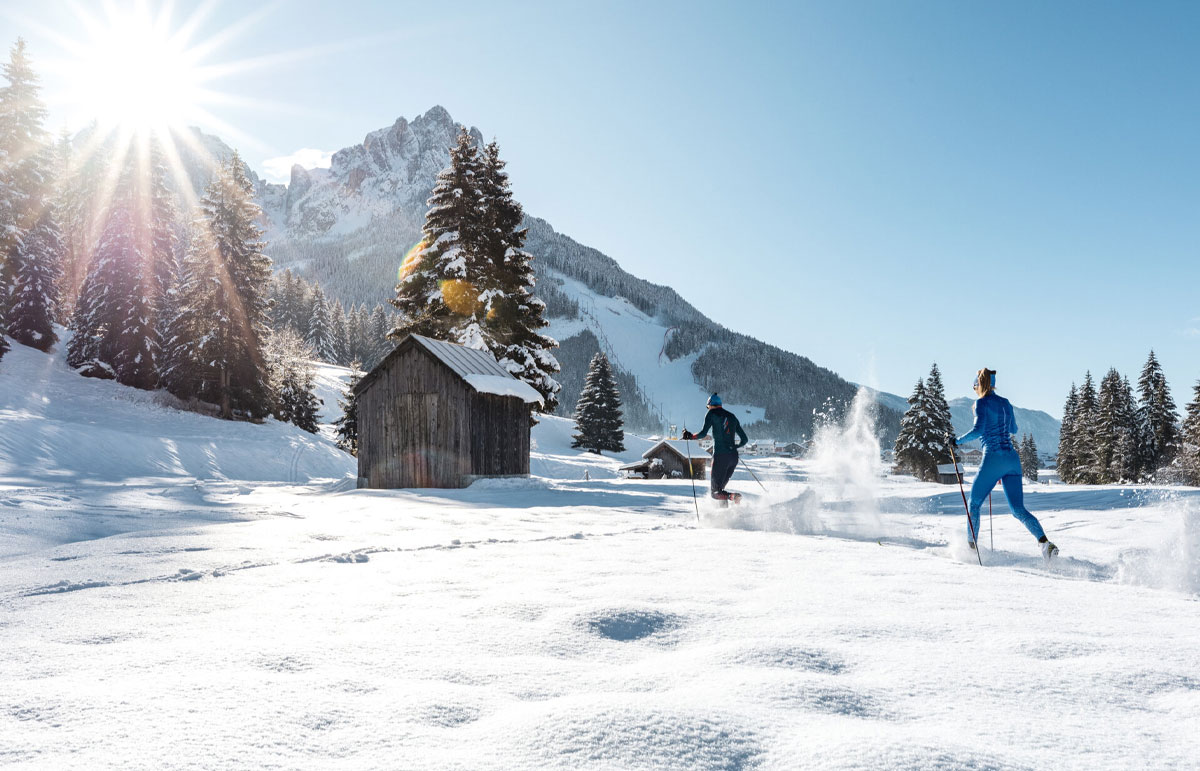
(947, 468)
(478, 368)
(679, 447)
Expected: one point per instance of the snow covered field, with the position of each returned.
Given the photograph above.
(181, 592)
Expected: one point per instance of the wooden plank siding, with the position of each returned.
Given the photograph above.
(421, 425)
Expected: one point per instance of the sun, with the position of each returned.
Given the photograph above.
(134, 73)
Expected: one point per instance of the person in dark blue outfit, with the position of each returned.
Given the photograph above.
(994, 426)
(724, 425)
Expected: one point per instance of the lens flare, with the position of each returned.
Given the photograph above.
(411, 258)
(460, 296)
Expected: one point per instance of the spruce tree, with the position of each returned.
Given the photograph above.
(437, 295)
(941, 425)
(114, 333)
(347, 424)
(291, 377)
(320, 335)
(227, 301)
(1083, 438)
(1029, 458)
(1187, 459)
(35, 294)
(1066, 463)
(917, 442)
(1158, 419)
(380, 345)
(340, 333)
(598, 411)
(514, 316)
(24, 186)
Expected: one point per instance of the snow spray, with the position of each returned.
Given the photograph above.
(841, 493)
(1174, 564)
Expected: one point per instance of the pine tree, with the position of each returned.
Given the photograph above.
(1066, 463)
(295, 402)
(225, 301)
(1114, 438)
(941, 425)
(35, 295)
(1186, 465)
(114, 334)
(436, 296)
(23, 171)
(514, 317)
(164, 238)
(1083, 436)
(347, 424)
(320, 328)
(598, 411)
(916, 443)
(1029, 458)
(340, 333)
(1157, 417)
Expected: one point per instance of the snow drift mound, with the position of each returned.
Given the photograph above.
(56, 426)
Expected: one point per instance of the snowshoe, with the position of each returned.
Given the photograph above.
(971, 545)
(1049, 551)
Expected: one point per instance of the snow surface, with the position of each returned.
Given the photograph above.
(633, 341)
(182, 592)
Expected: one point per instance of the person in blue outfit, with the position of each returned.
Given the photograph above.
(724, 425)
(994, 426)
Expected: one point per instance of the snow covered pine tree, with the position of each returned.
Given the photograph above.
(598, 412)
(347, 424)
(917, 441)
(469, 280)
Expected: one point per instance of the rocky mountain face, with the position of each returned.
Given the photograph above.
(349, 226)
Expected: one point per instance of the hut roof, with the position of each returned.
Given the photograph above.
(679, 448)
(479, 369)
(950, 468)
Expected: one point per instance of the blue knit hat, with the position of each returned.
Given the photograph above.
(714, 401)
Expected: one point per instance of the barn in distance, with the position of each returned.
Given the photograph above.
(437, 414)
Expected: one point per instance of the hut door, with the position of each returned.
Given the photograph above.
(422, 444)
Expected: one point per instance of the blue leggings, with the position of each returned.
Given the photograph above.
(1002, 466)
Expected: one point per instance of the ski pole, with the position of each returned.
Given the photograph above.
(963, 493)
(692, 477)
(752, 474)
(991, 532)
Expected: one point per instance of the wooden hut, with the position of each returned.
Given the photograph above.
(949, 473)
(437, 414)
(669, 458)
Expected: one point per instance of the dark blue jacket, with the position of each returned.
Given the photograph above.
(724, 425)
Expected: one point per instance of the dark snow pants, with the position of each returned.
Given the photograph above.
(722, 469)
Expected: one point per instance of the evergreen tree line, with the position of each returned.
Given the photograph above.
(336, 334)
(162, 301)
(1112, 434)
(925, 429)
(470, 281)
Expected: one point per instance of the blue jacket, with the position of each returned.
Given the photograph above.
(994, 423)
(724, 425)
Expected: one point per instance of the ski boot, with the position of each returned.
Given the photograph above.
(725, 498)
(1049, 550)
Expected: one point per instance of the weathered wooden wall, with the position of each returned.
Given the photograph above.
(499, 435)
(420, 425)
(413, 424)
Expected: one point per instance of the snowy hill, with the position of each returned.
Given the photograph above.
(203, 584)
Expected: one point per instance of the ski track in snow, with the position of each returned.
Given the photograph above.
(254, 610)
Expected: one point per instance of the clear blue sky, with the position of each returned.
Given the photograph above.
(875, 185)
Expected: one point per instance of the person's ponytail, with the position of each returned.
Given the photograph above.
(985, 382)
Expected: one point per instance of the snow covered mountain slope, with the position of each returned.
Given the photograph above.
(350, 225)
(119, 452)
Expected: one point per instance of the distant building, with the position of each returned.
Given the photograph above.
(437, 414)
(949, 473)
(670, 458)
(972, 456)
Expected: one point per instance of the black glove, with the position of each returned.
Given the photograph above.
(687, 434)
(952, 441)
